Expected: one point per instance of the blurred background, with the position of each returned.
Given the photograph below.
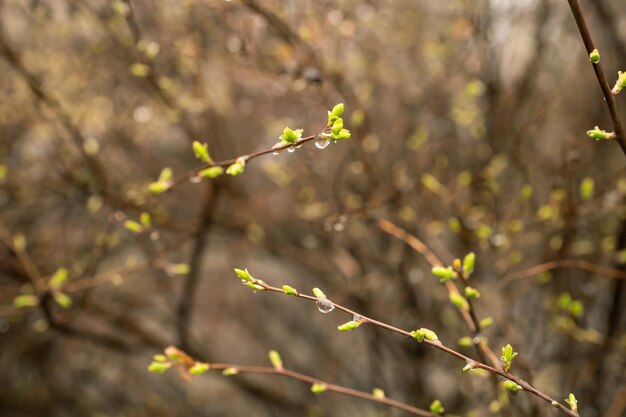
(468, 123)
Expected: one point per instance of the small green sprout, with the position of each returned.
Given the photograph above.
(199, 368)
(163, 183)
(572, 402)
(159, 358)
(507, 357)
(335, 114)
(468, 264)
(437, 408)
(202, 152)
(58, 279)
(25, 300)
(211, 172)
(62, 299)
(512, 386)
(133, 226)
(230, 371)
(159, 367)
(349, 325)
(275, 359)
(594, 56)
(145, 219)
(318, 388)
(290, 136)
(620, 84)
(444, 274)
(599, 134)
(244, 275)
(378, 393)
(318, 293)
(237, 168)
(471, 292)
(424, 333)
(289, 290)
(459, 301)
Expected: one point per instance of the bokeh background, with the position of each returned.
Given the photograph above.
(468, 121)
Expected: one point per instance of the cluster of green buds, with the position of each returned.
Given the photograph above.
(507, 357)
(620, 84)
(599, 134)
(55, 286)
(163, 183)
(335, 123)
(143, 225)
(248, 280)
(459, 269)
(174, 357)
(202, 153)
(567, 304)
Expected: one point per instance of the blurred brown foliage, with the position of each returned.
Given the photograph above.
(468, 121)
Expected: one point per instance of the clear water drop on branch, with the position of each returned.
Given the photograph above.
(291, 149)
(321, 141)
(195, 179)
(324, 305)
(275, 153)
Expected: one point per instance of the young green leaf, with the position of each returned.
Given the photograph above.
(201, 151)
(159, 367)
(444, 274)
(244, 275)
(235, 169)
(289, 290)
(599, 134)
(318, 293)
(507, 357)
(58, 279)
(468, 264)
(512, 386)
(211, 172)
(471, 292)
(133, 226)
(199, 368)
(572, 402)
(620, 84)
(437, 408)
(22, 301)
(459, 301)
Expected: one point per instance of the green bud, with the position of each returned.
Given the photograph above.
(145, 219)
(468, 264)
(289, 290)
(139, 70)
(437, 408)
(471, 292)
(507, 357)
(173, 353)
(133, 226)
(22, 301)
(572, 402)
(512, 386)
(341, 135)
(418, 335)
(337, 126)
(255, 287)
(289, 136)
(349, 325)
(586, 188)
(465, 341)
(486, 322)
(620, 83)
(318, 293)
(594, 56)
(211, 172)
(58, 279)
(62, 299)
(599, 134)
(201, 151)
(199, 368)
(244, 275)
(230, 371)
(275, 359)
(469, 366)
(459, 301)
(424, 333)
(378, 393)
(179, 269)
(337, 110)
(235, 169)
(159, 367)
(318, 388)
(159, 358)
(166, 174)
(158, 187)
(442, 273)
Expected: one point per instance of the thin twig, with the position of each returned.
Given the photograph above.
(611, 103)
(437, 344)
(563, 263)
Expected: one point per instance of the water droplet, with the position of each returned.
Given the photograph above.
(275, 153)
(291, 149)
(476, 340)
(324, 305)
(321, 141)
(195, 179)
(299, 146)
(356, 317)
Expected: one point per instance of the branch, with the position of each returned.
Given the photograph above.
(611, 103)
(358, 319)
(563, 263)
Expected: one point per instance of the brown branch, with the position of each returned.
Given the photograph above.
(563, 263)
(437, 344)
(611, 103)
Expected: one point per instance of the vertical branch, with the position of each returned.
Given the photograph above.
(611, 103)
